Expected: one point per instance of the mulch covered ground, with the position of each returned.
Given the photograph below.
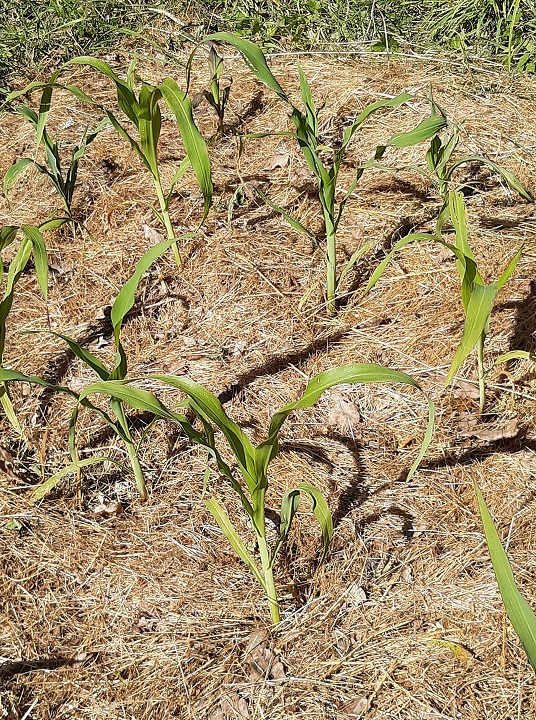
(142, 610)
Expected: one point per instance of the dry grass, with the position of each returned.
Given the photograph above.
(148, 614)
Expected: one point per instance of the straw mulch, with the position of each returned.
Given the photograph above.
(142, 610)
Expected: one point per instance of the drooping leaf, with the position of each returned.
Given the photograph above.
(426, 129)
(221, 517)
(254, 57)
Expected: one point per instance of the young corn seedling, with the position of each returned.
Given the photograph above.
(519, 611)
(326, 172)
(477, 297)
(442, 167)
(117, 420)
(64, 182)
(253, 462)
(218, 95)
(142, 112)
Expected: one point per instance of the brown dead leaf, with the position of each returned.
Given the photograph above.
(353, 709)
(279, 160)
(152, 235)
(493, 434)
(107, 509)
(344, 415)
(465, 389)
(234, 707)
(260, 660)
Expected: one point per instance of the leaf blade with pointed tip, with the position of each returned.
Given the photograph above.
(519, 611)
(194, 143)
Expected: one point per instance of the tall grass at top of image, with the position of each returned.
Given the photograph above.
(504, 29)
(64, 182)
(142, 112)
(253, 462)
(519, 611)
(323, 161)
(443, 163)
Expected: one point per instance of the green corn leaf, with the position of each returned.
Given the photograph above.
(196, 148)
(34, 235)
(359, 373)
(519, 611)
(296, 224)
(321, 512)
(309, 104)
(149, 125)
(412, 237)
(125, 97)
(45, 487)
(44, 109)
(515, 355)
(369, 110)
(254, 57)
(356, 255)
(221, 517)
(13, 173)
(509, 269)
(125, 301)
(289, 507)
(9, 410)
(426, 129)
(508, 176)
(7, 375)
(477, 317)
(126, 296)
(81, 95)
(209, 405)
(183, 167)
(136, 398)
(87, 357)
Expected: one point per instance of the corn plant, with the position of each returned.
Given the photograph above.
(253, 462)
(519, 611)
(218, 95)
(142, 112)
(117, 420)
(145, 115)
(477, 297)
(326, 172)
(63, 181)
(442, 167)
